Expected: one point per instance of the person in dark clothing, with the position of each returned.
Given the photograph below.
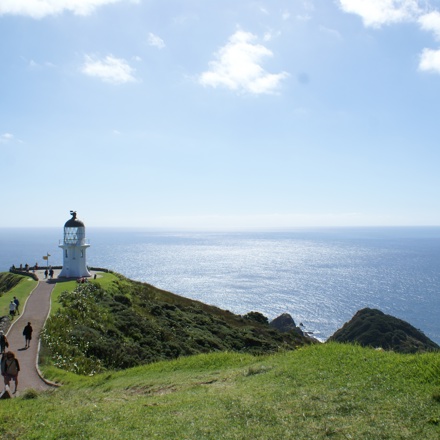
(27, 333)
(17, 303)
(3, 342)
(10, 368)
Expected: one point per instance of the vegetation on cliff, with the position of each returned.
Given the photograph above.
(8, 281)
(371, 327)
(104, 325)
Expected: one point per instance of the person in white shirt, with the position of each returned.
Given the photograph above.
(12, 308)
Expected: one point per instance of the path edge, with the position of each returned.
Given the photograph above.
(37, 360)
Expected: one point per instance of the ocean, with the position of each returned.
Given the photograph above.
(319, 276)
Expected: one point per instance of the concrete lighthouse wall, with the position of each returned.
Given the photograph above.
(74, 246)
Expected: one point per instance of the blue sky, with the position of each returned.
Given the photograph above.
(220, 114)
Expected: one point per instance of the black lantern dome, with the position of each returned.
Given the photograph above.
(74, 222)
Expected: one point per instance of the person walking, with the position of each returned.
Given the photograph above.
(10, 369)
(27, 333)
(17, 303)
(4, 344)
(12, 308)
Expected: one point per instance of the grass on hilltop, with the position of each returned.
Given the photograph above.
(14, 285)
(322, 391)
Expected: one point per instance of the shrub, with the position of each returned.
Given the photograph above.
(257, 317)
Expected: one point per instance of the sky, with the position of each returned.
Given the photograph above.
(222, 115)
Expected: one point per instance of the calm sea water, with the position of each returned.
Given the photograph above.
(321, 277)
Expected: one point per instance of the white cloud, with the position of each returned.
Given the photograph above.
(43, 8)
(154, 40)
(33, 65)
(270, 35)
(110, 69)
(376, 13)
(431, 23)
(308, 5)
(303, 17)
(237, 66)
(6, 137)
(333, 33)
(429, 58)
(430, 61)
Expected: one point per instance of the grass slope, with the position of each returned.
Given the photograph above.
(321, 391)
(14, 285)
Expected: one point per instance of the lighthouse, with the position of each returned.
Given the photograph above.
(74, 246)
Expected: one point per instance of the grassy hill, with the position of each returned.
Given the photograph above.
(337, 391)
(317, 391)
(14, 285)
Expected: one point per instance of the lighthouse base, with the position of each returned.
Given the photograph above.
(67, 272)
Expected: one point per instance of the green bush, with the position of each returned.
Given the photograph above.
(257, 317)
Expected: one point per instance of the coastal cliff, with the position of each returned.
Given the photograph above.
(373, 328)
(147, 324)
(122, 323)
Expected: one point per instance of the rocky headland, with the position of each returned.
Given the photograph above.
(373, 328)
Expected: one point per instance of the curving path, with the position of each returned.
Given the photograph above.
(35, 311)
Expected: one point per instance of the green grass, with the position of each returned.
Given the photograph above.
(324, 391)
(22, 290)
(105, 280)
(27, 285)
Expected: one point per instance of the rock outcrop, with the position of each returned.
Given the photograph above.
(285, 323)
(373, 328)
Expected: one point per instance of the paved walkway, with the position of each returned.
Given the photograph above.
(35, 311)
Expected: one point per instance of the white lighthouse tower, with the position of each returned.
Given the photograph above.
(74, 247)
